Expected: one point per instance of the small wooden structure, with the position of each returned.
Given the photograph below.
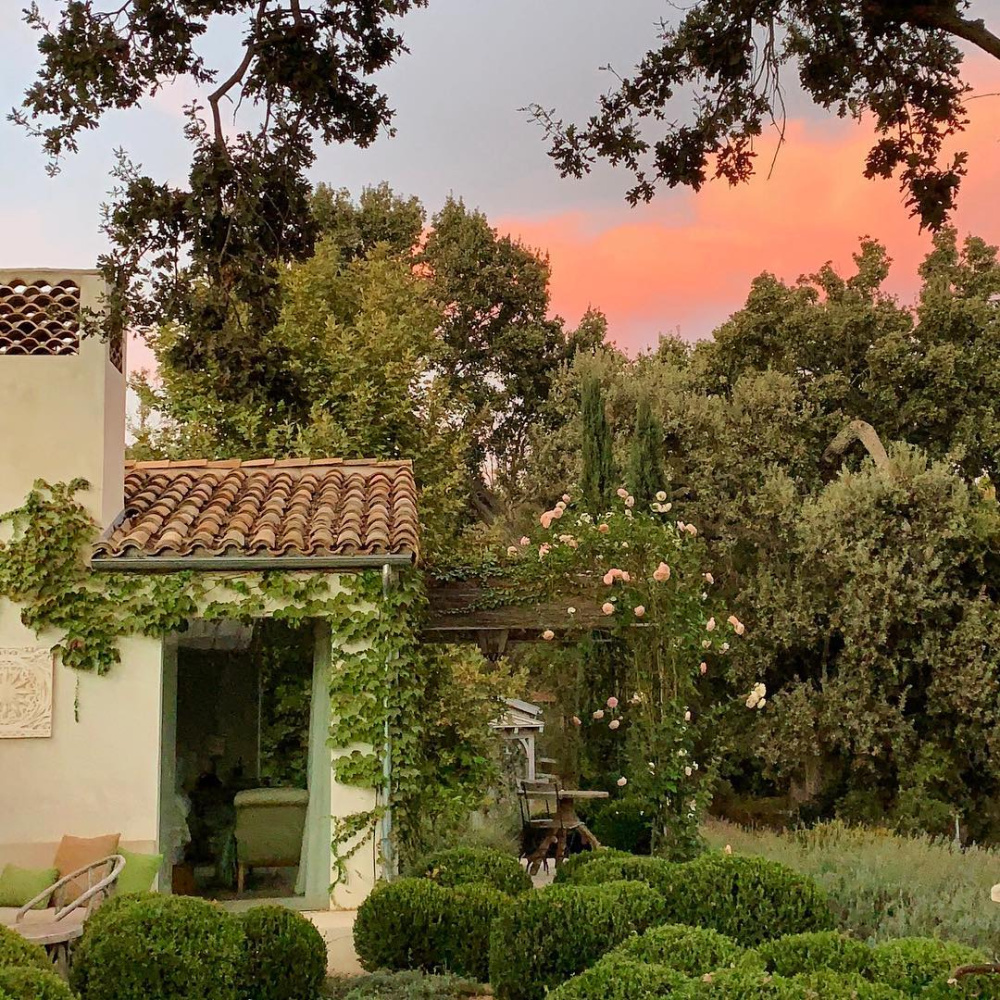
(521, 723)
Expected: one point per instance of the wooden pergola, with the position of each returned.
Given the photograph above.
(457, 614)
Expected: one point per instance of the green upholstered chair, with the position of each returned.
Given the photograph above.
(270, 823)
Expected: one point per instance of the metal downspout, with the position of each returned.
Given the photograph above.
(388, 860)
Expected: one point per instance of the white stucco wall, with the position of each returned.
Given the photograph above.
(95, 776)
(64, 416)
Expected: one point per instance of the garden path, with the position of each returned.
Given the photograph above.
(337, 928)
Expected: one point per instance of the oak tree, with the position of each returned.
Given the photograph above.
(896, 61)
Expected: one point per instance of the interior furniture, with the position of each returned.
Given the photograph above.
(270, 824)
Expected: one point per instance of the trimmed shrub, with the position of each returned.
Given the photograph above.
(472, 865)
(749, 899)
(664, 876)
(692, 951)
(285, 955)
(414, 923)
(542, 939)
(978, 987)
(33, 984)
(802, 953)
(619, 977)
(742, 983)
(566, 872)
(624, 824)
(401, 986)
(825, 984)
(152, 947)
(16, 952)
(754, 984)
(910, 964)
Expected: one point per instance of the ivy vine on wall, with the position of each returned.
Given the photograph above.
(374, 680)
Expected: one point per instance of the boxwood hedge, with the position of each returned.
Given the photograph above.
(414, 923)
(468, 865)
(542, 939)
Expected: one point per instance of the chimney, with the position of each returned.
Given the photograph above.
(62, 394)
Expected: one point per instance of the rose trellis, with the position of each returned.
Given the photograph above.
(649, 575)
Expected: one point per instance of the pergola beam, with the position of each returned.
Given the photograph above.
(455, 614)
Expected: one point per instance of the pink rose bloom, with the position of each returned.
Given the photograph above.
(576, 720)
(525, 540)
(710, 625)
(546, 519)
(573, 543)
(543, 550)
(608, 608)
(681, 526)
(612, 702)
(603, 529)
(740, 628)
(662, 573)
(691, 530)
(622, 782)
(629, 501)
(548, 634)
(709, 578)
(565, 498)
(623, 493)
(639, 611)
(614, 724)
(609, 577)
(625, 576)
(599, 714)
(557, 512)
(703, 667)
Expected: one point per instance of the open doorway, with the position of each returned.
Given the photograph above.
(248, 733)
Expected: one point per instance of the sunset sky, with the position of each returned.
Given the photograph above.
(681, 264)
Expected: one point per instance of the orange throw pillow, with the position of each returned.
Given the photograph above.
(74, 853)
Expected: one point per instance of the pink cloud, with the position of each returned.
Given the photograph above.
(686, 260)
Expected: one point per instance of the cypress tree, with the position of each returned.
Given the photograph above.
(645, 466)
(597, 481)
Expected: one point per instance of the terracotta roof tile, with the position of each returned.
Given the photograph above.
(293, 507)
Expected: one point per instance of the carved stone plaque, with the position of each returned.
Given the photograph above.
(25, 693)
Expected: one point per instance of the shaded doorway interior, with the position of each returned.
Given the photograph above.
(244, 742)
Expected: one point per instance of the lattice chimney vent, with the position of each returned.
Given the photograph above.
(39, 318)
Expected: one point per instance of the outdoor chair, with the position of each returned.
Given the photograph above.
(536, 827)
(57, 926)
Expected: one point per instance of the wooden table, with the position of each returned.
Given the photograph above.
(562, 823)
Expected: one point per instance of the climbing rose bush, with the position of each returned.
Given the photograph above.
(648, 576)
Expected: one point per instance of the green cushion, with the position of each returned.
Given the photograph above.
(139, 871)
(18, 885)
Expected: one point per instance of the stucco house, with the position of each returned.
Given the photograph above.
(88, 754)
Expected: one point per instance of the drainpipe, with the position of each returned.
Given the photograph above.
(388, 860)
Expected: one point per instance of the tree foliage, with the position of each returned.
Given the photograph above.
(645, 461)
(868, 590)
(597, 474)
(208, 254)
(355, 349)
(896, 61)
